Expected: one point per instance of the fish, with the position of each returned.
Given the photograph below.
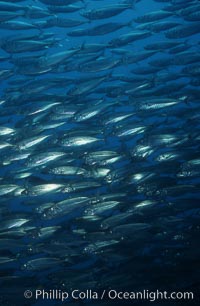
(99, 65)
(101, 208)
(162, 45)
(76, 141)
(62, 22)
(6, 6)
(92, 48)
(67, 170)
(86, 87)
(13, 223)
(8, 15)
(158, 103)
(193, 16)
(193, 69)
(99, 157)
(40, 264)
(6, 131)
(91, 112)
(7, 188)
(182, 31)
(128, 38)
(58, 2)
(153, 16)
(65, 207)
(16, 25)
(35, 12)
(99, 148)
(103, 29)
(4, 260)
(137, 57)
(42, 189)
(95, 248)
(27, 143)
(38, 159)
(116, 220)
(158, 26)
(107, 11)
(20, 45)
(64, 8)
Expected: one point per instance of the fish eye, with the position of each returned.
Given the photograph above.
(25, 192)
(24, 266)
(44, 216)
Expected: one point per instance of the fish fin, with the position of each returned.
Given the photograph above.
(184, 99)
(130, 2)
(130, 24)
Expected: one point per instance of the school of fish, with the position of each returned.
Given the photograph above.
(99, 146)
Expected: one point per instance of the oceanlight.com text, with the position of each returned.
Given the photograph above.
(111, 294)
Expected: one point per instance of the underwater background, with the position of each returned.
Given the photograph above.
(99, 149)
